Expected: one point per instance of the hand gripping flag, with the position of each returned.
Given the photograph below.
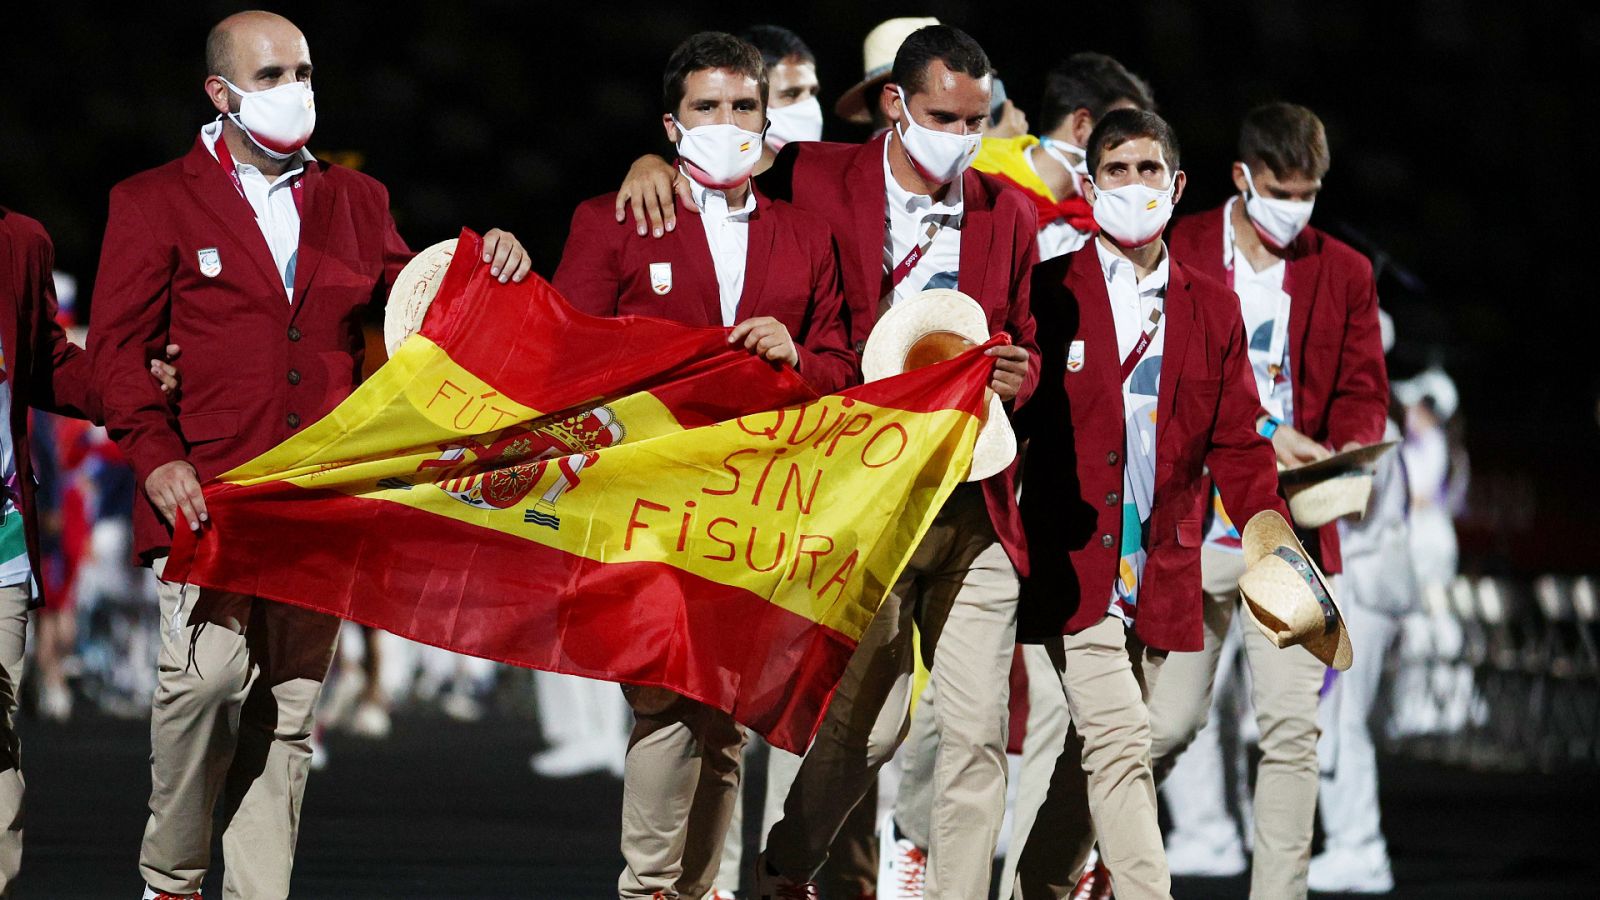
(627, 499)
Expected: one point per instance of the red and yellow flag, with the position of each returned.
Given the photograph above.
(626, 499)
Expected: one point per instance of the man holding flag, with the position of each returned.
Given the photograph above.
(260, 262)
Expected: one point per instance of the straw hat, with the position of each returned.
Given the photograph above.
(413, 292)
(934, 326)
(1338, 486)
(1286, 595)
(877, 53)
(1430, 384)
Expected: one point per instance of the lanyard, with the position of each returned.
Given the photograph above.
(225, 159)
(1137, 353)
(899, 273)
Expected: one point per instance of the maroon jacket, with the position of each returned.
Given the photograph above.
(1341, 387)
(46, 371)
(844, 184)
(1072, 496)
(255, 368)
(790, 275)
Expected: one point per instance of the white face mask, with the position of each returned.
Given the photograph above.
(1278, 222)
(279, 120)
(938, 156)
(1058, 150)
(796, 122)
(719, 156)
(1134, 215)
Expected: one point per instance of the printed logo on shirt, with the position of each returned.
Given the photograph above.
(1075, 357)
(210, 262)
(661, 277)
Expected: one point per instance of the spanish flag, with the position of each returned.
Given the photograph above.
(627, 499)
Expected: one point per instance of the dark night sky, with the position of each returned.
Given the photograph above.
(1462, 147)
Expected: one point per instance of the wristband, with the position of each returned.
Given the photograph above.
(1268, 426)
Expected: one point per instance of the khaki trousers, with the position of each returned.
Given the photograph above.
(236, 691)
(961, 589)
(679, 788)
(1284, 688)
(13, 638)
(1103, 781)
(1049, 721)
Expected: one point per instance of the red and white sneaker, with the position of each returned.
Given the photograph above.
(902, 865)
(1095, 883)
(151, 893)
(772, 886)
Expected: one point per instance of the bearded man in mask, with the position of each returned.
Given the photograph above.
(908, 213)
(1310, 311)
(261, 262)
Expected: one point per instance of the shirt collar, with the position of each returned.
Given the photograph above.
(702, 195)
(1111, 265)
(211, 131)
(904, 200)
(1230, 252)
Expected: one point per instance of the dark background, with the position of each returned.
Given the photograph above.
(1463, 153)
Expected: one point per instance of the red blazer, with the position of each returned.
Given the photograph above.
(844, 184)
(1341, 386)
(255, 368)
(1072, 496)
(789, 274)
(46, 371)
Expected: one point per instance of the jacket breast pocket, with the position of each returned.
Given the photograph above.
(1189, 533)
(198, 428)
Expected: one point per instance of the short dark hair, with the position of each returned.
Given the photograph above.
(951, 46)
(777, 44)
(710, 50)
(1286, 138)
(1092, 81)
(1119, 126)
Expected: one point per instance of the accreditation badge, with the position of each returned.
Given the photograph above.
(210, 262)
(1075, 356)
(661, 277)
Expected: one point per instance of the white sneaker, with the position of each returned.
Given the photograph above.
(715, 894)
(55, 702)
(572, 760)
(370, 721)
(1351, 872)
(902, 865)
(1191, 857)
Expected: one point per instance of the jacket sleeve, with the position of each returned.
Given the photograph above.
(1240, 459)
(588, 275)
(827, 362)
(132, 303)
(1019, 313)
(396, 253)
(1359, 406)
(60, 379)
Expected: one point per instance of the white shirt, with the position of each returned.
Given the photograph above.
(1264, 306)
(728, 234)
(1132, 301)
(907, 219)
(273, 203)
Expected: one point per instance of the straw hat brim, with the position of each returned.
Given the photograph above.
(413, 292)
(936, 311)
(852, 104)
(1337, 464)
(1268, 578)
(1315, 505)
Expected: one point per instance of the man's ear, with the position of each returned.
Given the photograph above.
(1178, 185)
(1238, 177)
(671, 128)
(220, 95)
(1086, 185)
(1082, 125)
(889, 102)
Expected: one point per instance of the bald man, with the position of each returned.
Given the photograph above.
(261, 262)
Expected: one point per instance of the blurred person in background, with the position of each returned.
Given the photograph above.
(793, 111)
(1006, 119)
(1378, 588)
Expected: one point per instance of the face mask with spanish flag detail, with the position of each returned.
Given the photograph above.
(719, 156)
(1278, 222)
(938, 156)
(279, 120)
(1135, 214)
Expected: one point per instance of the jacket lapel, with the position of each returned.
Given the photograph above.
(758, 251)
(694, 253)
(1179, 322)
(867, 198)
(231, 212)
(317, 206)
(10, 318)
(1096, 329)
(1300, 283)
(977, 233)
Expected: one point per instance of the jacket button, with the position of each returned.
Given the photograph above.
(294, 422)
(294, 376)
(1111, 498)
(1106, 541)
(1111, 458)
(294, 333)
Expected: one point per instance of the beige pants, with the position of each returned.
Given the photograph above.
(236, 691)
(962, 590)
(1048, 723)
(1103, 775)
(13, 634)
(679, 787)
(1284, 688)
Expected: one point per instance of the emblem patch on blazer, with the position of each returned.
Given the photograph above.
(1075, 356)
(210, 262)
(661, 277)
